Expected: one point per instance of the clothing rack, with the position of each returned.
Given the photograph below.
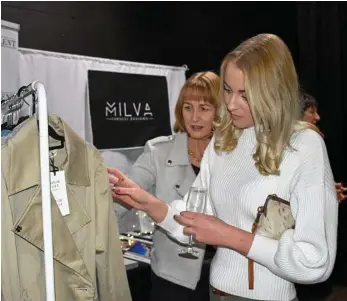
(12, 104)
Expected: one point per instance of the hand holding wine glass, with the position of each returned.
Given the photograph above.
(196, 202)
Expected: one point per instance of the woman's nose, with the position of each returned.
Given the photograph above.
(231, 103)
(196, 115)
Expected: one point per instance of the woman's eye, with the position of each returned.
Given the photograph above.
(227, 89)
(186, 107)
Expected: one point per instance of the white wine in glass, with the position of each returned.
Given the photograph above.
(196, 202)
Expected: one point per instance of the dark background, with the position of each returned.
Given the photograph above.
(199, 34)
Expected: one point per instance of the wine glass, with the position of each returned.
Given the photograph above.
(196, 202)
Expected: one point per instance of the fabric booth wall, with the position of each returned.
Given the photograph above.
(9, 58)
(65, 78)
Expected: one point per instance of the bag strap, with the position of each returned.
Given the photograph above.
(274, 185)
(250, 261)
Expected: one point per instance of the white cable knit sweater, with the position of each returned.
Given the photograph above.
(236, 189)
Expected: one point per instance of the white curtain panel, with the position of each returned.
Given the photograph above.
(9, 58)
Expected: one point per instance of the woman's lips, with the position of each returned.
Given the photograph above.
(196, 127)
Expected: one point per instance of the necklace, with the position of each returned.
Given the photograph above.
(193, 155)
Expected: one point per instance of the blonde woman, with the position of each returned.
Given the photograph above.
(170, 165)
(259, 148)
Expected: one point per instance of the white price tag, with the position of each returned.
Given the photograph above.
(58, 189)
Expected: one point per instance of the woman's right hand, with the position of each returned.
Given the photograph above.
(133, 195)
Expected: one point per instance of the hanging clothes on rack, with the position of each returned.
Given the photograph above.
(88, 261)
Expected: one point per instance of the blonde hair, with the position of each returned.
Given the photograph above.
(201, 86)
(272, 91)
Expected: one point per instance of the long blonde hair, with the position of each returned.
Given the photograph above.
(201, 86)
(272, 91)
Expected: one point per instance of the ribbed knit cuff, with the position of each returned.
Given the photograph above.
(263, 251)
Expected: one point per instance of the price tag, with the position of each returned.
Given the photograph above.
(58, 189)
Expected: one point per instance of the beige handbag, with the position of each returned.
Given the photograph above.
(273, 218)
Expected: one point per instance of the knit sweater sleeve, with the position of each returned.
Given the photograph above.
(173, 228)
(306, 254)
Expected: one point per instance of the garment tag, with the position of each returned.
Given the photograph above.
(58, 189)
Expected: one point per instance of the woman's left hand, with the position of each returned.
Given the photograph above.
(205, 228)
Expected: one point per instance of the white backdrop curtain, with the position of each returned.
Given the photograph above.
(9, 58)
(65, 78)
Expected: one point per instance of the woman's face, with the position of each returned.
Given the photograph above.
(235, 97)
(311, 115)
(198, 118)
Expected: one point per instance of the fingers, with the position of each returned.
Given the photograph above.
(111, 170)
(183, 220)
(189, 231)
(341, 197)
(340, 187)
(190, 214)
(121, 182)
(124, 191)
(113, 180)
(117, 173)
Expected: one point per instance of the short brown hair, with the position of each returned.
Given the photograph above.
(201, 86)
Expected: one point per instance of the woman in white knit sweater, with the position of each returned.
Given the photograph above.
(259, 148)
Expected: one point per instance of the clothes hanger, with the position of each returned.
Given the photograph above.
(51, 132)
(9, 124)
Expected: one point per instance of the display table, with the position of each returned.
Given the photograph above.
(130, 264)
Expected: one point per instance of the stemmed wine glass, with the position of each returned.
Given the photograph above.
(196, 202)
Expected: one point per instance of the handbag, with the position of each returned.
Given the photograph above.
(273, 219)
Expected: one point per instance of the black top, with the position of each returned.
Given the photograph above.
(196, 169)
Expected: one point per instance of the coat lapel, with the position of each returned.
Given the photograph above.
(29, 226)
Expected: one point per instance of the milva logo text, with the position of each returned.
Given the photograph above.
(128, 111)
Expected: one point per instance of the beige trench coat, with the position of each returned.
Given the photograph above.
(88, 262)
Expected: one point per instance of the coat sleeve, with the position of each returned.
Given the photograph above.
(112, 280)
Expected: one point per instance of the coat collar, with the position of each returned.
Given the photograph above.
(178, 154)
(24, 155)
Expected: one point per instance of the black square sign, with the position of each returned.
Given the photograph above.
(127, 109)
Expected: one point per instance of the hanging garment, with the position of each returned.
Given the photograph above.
(88, 261)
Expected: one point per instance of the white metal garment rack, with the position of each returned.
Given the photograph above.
(39, 89)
